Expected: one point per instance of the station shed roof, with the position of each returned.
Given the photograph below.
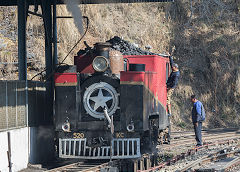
(38, 2)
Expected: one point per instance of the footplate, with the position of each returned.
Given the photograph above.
(121, 149)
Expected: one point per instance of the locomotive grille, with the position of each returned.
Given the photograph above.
(121, 149)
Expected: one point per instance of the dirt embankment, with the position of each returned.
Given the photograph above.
(205, 34)
(207, 38)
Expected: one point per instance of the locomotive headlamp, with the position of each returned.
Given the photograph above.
(100, 63)
(66, 126)
(130, 127)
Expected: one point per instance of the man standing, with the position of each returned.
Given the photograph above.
(198, 116)
(172, 83)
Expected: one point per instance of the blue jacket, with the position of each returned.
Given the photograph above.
(198, 112)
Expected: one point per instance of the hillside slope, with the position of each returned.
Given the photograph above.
(205, 33)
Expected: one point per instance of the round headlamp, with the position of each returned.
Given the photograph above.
(66, 127)
(100, 63)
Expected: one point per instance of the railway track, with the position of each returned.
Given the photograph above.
(211, 136)
(183, 146)
(213, 132)
(218, 161)
(180, 141)
(197, 161)
(80, 167)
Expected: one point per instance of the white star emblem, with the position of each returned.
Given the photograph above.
(100, 100)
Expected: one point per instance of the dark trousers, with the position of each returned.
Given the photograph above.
(198, 132)
(169, 131)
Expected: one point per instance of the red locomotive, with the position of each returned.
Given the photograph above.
(109, 105)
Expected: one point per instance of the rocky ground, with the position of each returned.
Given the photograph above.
(197, 156)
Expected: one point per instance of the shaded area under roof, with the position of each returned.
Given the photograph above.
(35, 2)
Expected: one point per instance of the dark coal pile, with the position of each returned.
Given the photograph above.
(126, 48)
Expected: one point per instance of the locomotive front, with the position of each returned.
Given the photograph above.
(103, 80)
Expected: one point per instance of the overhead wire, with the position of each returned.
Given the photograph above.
(59, 64)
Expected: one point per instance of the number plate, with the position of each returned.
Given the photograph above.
(78, 135)
(119, 135)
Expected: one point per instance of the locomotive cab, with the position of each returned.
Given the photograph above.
(132, 89)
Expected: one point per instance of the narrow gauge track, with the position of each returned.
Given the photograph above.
(184, 145)
(217, 161)
(216, 130)
(210, 140)
(80, 166)
(187, 134)
(185, 139)
(172, 165)
(188, 138)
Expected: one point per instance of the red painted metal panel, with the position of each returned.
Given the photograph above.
(132, 76)
(84, 63)
(65, 78)
(155, 74)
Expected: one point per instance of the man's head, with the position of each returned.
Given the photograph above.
(175, 67)
(193, 98)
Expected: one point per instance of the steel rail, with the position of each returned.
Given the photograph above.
(215, 130)
(232, 164)
(211, 158)
(204, 133)
(97, 168)
(190, 142)
(188, 153)
(78, 166)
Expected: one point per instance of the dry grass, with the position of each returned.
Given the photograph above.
(209, 56)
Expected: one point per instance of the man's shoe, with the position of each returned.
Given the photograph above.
(167, 142)
(169, 115)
